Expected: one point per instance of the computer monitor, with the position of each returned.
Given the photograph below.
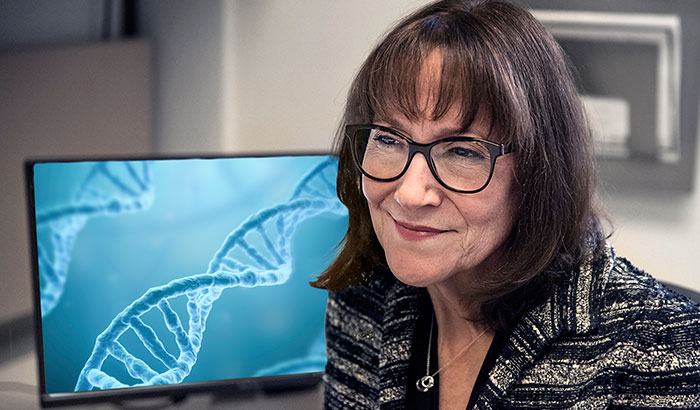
(167, 275)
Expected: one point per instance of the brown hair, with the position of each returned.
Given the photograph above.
(497, 60)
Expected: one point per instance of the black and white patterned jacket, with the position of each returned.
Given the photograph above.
(610, 337)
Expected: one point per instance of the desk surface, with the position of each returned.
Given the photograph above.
(18, 391)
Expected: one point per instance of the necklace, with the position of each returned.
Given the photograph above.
(427, 382)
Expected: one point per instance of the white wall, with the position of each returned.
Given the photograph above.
(187, 56)
(659, 231)
(292, 63)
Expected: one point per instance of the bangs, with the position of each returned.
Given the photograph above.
(433, 65)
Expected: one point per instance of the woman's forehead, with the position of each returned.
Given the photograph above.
(451, 124)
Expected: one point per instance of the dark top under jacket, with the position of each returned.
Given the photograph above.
(430, 400)
(610, 336)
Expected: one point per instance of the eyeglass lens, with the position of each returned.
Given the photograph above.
(461, 165)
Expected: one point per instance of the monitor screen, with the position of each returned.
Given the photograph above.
(180, 271)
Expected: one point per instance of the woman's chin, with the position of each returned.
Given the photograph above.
(414, 276)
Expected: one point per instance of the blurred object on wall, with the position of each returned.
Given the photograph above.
(634, 59)
(609, 119)
(40, 24)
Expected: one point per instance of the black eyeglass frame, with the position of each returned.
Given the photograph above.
(495, 150)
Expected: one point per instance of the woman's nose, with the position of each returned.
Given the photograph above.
(417, 187)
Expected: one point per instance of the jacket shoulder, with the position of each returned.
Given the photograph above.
(633, 299)
(653, 338)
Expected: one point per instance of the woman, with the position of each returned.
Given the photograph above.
(474, 273)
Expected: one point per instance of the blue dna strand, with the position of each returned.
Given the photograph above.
(256, 253)
(110, 188)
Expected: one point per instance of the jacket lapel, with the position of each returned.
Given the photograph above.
(574, 308)
(399, 327)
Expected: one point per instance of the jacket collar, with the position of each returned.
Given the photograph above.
(573, 309)
(398, 330)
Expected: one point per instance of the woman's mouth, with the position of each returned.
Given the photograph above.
(412, 232)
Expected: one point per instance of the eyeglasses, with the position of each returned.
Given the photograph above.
(460, 164)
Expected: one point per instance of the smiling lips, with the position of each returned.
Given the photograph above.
(416, 232)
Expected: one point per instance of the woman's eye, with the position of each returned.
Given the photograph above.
(384, 139)
(466, 153)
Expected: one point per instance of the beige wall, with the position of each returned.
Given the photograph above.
(659, 231)
(291, 64)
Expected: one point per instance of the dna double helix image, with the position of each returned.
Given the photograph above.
(175, 326)
(109, 188)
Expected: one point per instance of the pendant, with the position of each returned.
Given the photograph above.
(425, 383)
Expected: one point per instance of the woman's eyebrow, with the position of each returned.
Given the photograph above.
(391, 123)
(397, 125)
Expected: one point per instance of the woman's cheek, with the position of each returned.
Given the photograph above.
(373, 191)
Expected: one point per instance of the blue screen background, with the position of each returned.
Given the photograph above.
(196, 204)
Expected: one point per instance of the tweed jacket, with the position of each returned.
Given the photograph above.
(610, 336)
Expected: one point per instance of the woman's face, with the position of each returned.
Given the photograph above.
(432, 235)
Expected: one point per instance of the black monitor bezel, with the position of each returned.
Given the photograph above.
(174, 392)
